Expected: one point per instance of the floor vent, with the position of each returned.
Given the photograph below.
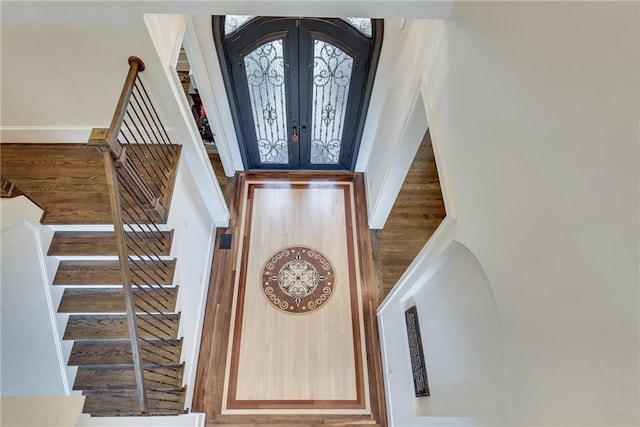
(225, 241)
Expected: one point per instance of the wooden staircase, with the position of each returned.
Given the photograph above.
(98, 325)
(118, 285)
(67, 181)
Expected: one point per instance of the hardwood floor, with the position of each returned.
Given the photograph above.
(416, 214)
(227, 185)
(67, 181)
(63, 176)
(210, 387)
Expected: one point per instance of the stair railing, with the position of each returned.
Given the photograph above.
(9, 188)
(139, 163)
(136, 131)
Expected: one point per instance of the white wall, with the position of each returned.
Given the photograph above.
(462, 339)
(64, 76)
(389, 136)
(193, 245)
(187, 420)
(535, 107)
(215, 99)
(462, 343)
(39, 411)
(167, 32)
(33, 358)
(387, 186)
(532, 106)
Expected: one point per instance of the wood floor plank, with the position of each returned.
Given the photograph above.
(417, 212)
(211, 367)
(291, 420)
(227, 185)
(334, 379)
(212, 359)
(370, 297)
(68, 181)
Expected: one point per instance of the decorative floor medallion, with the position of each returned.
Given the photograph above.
(298, 279)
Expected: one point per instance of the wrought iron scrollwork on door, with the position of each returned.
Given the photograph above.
(264, 68)
(332, 68)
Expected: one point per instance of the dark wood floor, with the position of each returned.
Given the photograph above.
(63, 176)
(68, 181)
(227, 185)
(59, 176)
(416, 214)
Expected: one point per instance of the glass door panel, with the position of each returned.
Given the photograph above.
(264, 68)
(332, 69)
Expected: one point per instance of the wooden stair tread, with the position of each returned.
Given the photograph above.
(108, 272)
(163, 377)
(111, 300)
(68, 213)
(125, 402)
(114, 326)
(103, 243)
(118, 352)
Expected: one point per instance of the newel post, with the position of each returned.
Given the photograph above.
(108, 137)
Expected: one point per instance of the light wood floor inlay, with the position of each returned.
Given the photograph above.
(309, 362)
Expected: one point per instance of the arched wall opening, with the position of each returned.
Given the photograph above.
(462, 340)
(461, 336)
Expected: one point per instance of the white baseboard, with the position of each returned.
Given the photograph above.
(44, 134)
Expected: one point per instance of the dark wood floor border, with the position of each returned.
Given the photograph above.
(360, 401)
(369, 304)
(300, 176)
(209, 386)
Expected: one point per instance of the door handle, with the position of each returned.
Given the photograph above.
(294, 135)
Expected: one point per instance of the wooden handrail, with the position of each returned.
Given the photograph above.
(114, 198)
(109, 138)
(138, 155)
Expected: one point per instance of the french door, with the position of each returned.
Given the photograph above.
(299, 88)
